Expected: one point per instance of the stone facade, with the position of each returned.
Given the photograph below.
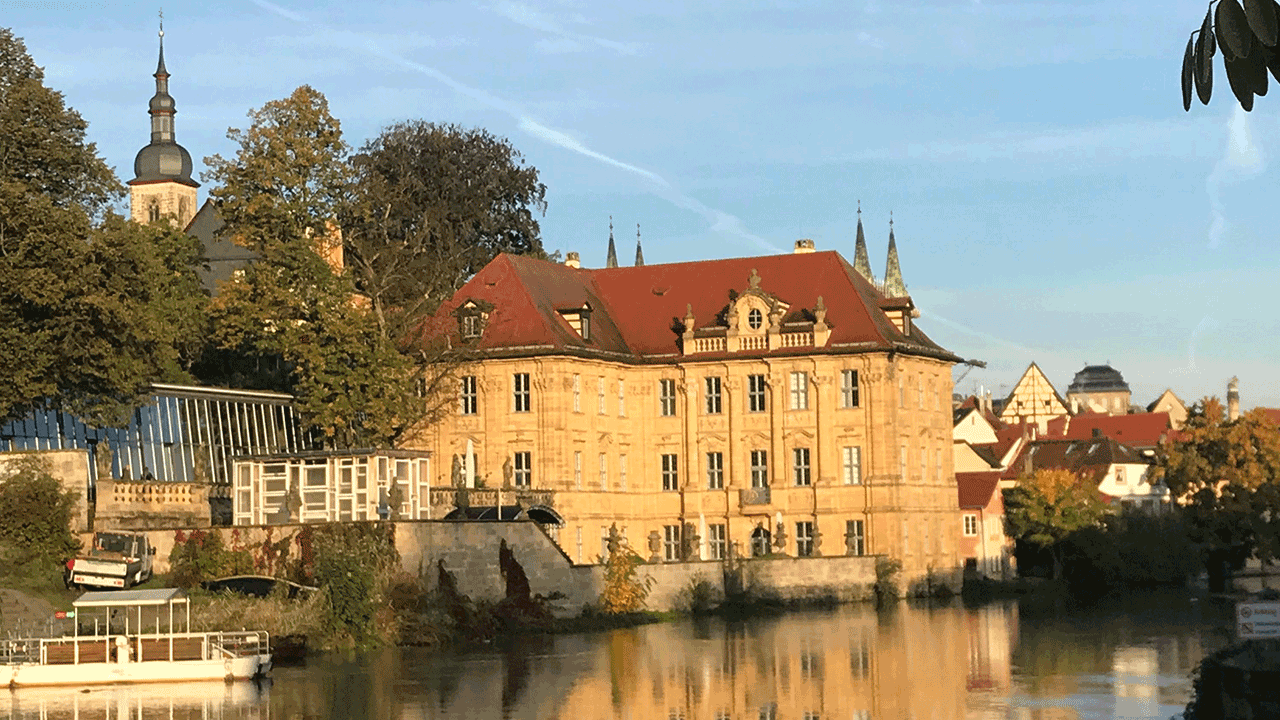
(143, 505)
(737, 437)
(153, 202)
(71, 469)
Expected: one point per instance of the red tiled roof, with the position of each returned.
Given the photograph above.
(1143, 430)
(975, 488)
(1272, 413)
(1089, 457)
(638, 311)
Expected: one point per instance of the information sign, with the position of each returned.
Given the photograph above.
(1258, 620)
(64, 614)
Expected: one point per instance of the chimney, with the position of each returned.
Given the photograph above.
(571, 259)
(1233, 399)
(803, 247)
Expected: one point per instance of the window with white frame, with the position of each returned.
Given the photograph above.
(604, 472)
(622, 471)
(937, 464)
(804, 538)
(469, 402)
(920, 393)
(600, 394)
(717, 541)
(667, 397)
(849, 388)
(924, 463)
(902, 462)
(799, 391)
(577, 469)
(622, 398)
(759, 468)
(521, 401)
(577, 393)
(851, 463)
(713, 395)
(755, 393)
(800, 466)
(856, 544)
(970, 525)
(902, 392)
(670, 543)
(715, 471)
(523, 469)
(670, 472)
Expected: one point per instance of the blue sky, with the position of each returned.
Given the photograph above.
(1052, 201)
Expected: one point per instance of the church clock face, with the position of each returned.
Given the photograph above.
(755, 319)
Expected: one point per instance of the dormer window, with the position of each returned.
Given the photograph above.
(472, 316)
(472, 326)
(579, 318)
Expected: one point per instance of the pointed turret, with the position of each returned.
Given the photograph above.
(893, 285)
(639, 252)
(163, 159)
(861, 261)
(611, 261)
(162, 185)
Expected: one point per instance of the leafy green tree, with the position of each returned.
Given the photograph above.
(294, 308)
(35, 517)
(1050, 505)
(432, 204)
(1227, 475)
(92, 308)
(1247, 37)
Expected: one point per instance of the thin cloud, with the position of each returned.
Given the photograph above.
(720, 221)
(1241, 159)
(569, 41)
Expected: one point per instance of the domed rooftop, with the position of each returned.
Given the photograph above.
(1098, 378)
(163, 159)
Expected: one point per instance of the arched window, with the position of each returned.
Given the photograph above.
(153, 211)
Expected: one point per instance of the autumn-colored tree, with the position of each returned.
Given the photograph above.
(292, 311)
(1049, 505)
(624, 591)
(1226, 474)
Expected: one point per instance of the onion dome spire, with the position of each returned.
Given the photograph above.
(163, 159)
(893, 285)
(861, 261)
(611, 261)
(639, 252)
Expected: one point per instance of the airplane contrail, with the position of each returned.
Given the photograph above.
(720, 221)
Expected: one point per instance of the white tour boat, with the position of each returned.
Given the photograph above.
(117, 637)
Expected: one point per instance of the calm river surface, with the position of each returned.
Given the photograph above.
(1127, 658)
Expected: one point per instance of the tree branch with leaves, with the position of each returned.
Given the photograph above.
(1247, 37)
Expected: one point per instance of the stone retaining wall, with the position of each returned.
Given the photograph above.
(469, 550)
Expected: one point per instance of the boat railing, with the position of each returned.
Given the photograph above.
(139, 648)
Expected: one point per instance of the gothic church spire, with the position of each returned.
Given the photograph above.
(861, 261)
(639, 252)
(611, 261)
(893, 285)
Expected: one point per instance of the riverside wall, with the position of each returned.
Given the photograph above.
(469, 550)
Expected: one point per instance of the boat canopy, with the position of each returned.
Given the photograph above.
(131, 598)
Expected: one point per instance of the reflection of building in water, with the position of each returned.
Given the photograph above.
(184, 701)
(1135, 670)
(850, 663)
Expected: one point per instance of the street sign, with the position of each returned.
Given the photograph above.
(64, 614)
(1258, 620)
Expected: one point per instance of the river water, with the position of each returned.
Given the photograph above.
(1126, 658)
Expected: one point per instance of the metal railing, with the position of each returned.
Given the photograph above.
(141, 648)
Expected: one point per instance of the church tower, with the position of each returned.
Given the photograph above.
(162, 186)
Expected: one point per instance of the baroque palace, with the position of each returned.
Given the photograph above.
(778, 404)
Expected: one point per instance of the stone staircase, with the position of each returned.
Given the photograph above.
(23, 614)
